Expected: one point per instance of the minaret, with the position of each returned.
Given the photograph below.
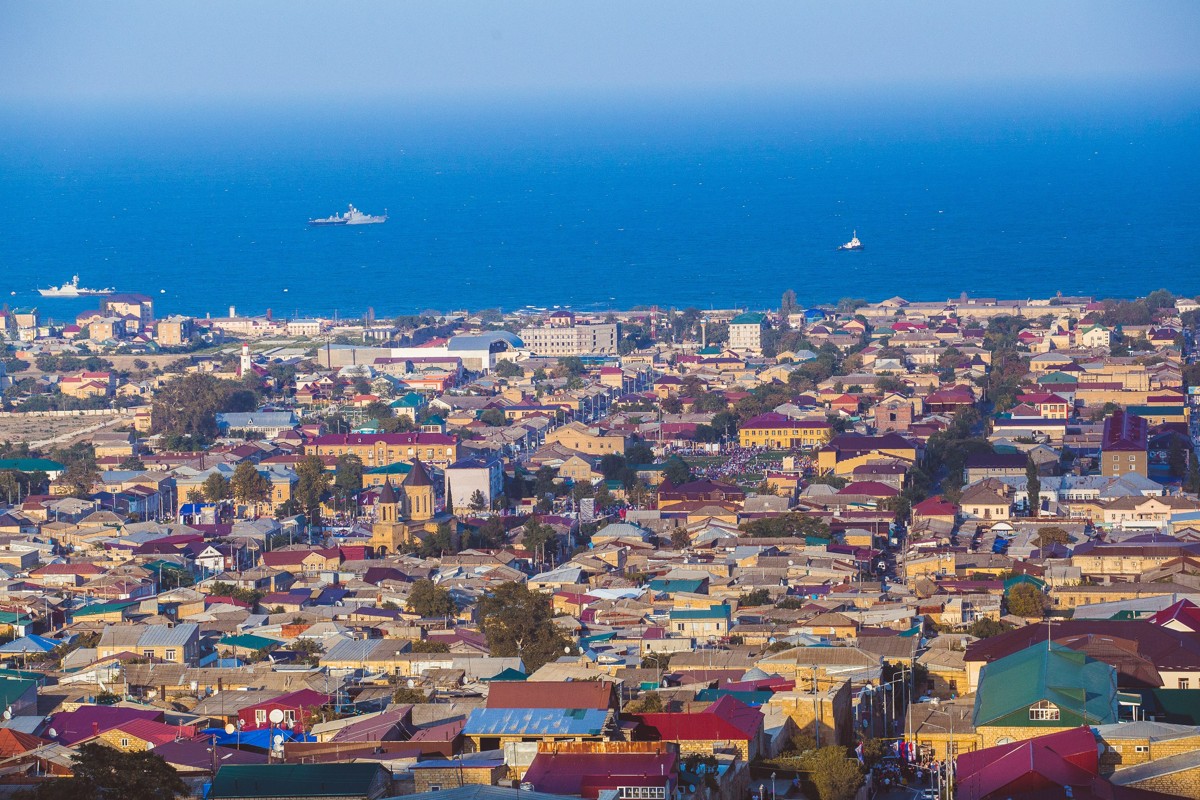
(244, 366)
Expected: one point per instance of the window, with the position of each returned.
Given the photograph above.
(260, 716)
(1142, 748)
(1044, 711)
(289, 716)
(124, 742)
(436, 787)
(147, 654)
(169, 655)
(1185, 683)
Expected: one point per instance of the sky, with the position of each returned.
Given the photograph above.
(183, 50)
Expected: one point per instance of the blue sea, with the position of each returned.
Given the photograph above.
(605, 202)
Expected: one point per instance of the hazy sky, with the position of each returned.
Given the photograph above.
(247, 49)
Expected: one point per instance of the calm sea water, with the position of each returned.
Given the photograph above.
(714, 201)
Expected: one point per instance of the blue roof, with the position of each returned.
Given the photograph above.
(536, 722)
(30, 644)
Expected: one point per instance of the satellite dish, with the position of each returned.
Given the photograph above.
(276, 716)
(8, 713)
(229, 728)
(278, 740)
(53, 733)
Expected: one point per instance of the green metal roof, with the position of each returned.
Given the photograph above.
(395, 468)
(714, 612)
(750, 318)
(295, 780)
(31, 465)
(103, 608)
(691, 585)
(11, 689)
(248, 641)
(1057, 378)
(1084, 689)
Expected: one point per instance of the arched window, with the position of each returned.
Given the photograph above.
(1044, 711)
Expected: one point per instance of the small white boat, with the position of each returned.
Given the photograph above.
(853, 244)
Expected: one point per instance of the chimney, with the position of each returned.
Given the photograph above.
(232, 312)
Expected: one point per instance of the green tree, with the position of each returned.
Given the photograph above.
(1177, 460)
(187, 407)
(538, 538)
(430, 600)
(835, 774)
(250, 487)
(1191, 483)
(81, 470)
(133, 463)
(570, 366)
(985, 627)
(312, 482)
(508, 369)
(102, 773)
(1052, 534)
(676, 470)
(1025, 600)
(1033, 484)
(216, 488)
(758, 597)
(519, 622)
(680, 539)
(639, 453)
(407, 696)
(648, 703)
(611, 465)
(347, 477)
(493, 418)
(427, 646)
(477, 502)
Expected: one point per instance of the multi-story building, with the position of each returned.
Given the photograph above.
(745, 332)
(1123, 446)
(175, 331)
(379, 449)
(466, 477)
(562, 336)
(776, 430)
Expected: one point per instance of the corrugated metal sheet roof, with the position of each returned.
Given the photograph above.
(536, 722)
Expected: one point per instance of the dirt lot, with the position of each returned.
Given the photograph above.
(49, 431)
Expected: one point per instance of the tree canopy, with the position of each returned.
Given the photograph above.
(518, 622)
(103, 773)
(430, 600)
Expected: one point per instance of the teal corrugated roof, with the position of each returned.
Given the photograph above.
(103, 608)
(396, 468)
(1058, 674)
(249, 641)
(31, 465)
(713, 612)
(295, 780)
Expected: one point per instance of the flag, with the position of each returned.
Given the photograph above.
(858, 751)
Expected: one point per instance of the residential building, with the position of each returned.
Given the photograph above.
(1123, 446)
(562, 336)
(468, 476)
(746, 332)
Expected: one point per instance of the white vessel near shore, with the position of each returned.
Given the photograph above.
(72, 289)
(351, 217)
